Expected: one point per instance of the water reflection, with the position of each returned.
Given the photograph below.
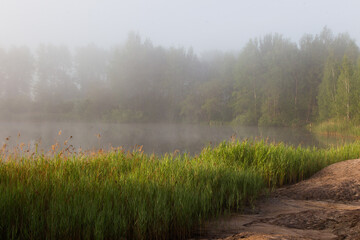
(155, 138)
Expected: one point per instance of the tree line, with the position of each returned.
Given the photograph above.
(272, 81)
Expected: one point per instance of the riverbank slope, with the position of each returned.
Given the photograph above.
(326, 206)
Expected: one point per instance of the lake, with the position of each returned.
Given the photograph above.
(155, 138)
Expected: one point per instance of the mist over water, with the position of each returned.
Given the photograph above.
(158, 138)
(134, 74)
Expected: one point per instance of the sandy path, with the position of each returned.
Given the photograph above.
(326, 206)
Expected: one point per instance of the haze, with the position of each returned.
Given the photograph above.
(154, 73)
(202, 24)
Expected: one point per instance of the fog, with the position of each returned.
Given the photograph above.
(203, 24)
(169, 75)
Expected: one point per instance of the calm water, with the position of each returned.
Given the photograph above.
(157, 138)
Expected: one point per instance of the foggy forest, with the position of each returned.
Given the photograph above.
(179, 119)
(272, 81)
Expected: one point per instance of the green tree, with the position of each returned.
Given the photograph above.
(18, 71)
(2, 73)
(327, 89)
(344, 93)
(355, 94)
(91, 65)
(55, 89)
(17, 77)
(249, 75)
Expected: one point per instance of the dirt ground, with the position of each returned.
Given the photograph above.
(326, 206)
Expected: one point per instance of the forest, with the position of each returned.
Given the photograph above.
(272, 81)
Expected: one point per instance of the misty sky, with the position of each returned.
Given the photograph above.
(201, 24)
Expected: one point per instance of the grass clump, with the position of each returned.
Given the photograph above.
(117, 194)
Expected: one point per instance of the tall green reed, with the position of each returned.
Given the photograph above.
(131, 195)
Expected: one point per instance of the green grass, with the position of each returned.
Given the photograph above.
(118, 195)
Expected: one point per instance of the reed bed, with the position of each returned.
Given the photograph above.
(132, 195)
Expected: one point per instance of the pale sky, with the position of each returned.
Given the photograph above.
(202, 24)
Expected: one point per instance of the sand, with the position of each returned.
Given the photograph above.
(326, 206)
